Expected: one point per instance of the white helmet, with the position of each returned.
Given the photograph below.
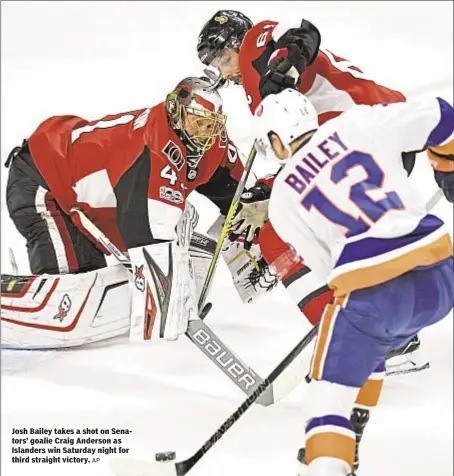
(288, 114)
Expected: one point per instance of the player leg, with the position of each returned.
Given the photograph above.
(308, 291)
(54, 244)
(337, 376)
(355, 336)
(365, 402)
(311, 294)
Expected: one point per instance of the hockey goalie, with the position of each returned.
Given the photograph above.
(130, 174)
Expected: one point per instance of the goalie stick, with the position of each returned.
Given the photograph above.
(245, 378)
(133, 467)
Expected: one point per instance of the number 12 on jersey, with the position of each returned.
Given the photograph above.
(373, 209)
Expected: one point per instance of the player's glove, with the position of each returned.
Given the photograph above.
(252, 214)
(445, 181)
(295, 50)
(283, 71)
(443, 165)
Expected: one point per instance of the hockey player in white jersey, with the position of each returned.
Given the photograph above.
(345, 206)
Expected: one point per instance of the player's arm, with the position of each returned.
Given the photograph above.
(425, 124)
(295, 49)
(347, 85)
(440, 149)
(154, 226)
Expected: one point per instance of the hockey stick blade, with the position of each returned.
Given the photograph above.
(142, 468)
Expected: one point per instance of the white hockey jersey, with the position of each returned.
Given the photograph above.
(344, 204)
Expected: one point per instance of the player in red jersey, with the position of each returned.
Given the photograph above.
(267, 58)
(131, 174)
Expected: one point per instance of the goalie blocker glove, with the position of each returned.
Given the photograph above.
(252, 214)
(295, 51)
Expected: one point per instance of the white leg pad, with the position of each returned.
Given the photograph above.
(54, 311)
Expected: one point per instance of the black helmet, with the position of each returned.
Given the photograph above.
(226, 29)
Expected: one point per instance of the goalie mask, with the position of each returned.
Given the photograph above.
(196, 111)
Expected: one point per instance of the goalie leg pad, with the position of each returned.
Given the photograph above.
(54, 311)
(163, 291)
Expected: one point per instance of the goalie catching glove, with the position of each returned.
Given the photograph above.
(252, 214)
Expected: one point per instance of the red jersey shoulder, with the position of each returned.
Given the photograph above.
(112, 125)
(255, 40)
(342, 75)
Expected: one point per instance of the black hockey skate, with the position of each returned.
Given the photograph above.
(359, 418)
(409, 348)
(399, 362)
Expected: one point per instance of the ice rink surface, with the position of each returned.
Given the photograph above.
(98, 58)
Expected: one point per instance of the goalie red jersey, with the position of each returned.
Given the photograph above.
(130, 173)
(124, 168)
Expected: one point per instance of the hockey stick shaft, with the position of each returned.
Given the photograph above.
(134, 467)
(184, 466)
(223, 235)
(245, 378)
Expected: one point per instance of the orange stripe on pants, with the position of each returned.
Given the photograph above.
(324, 336)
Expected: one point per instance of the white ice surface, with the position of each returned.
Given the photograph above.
(94, 58)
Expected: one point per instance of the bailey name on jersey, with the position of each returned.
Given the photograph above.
(312, 164)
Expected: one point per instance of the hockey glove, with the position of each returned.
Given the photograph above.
(295, 50)
(445, 181)
(443, 165)
(252, 214)
(283, 71)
